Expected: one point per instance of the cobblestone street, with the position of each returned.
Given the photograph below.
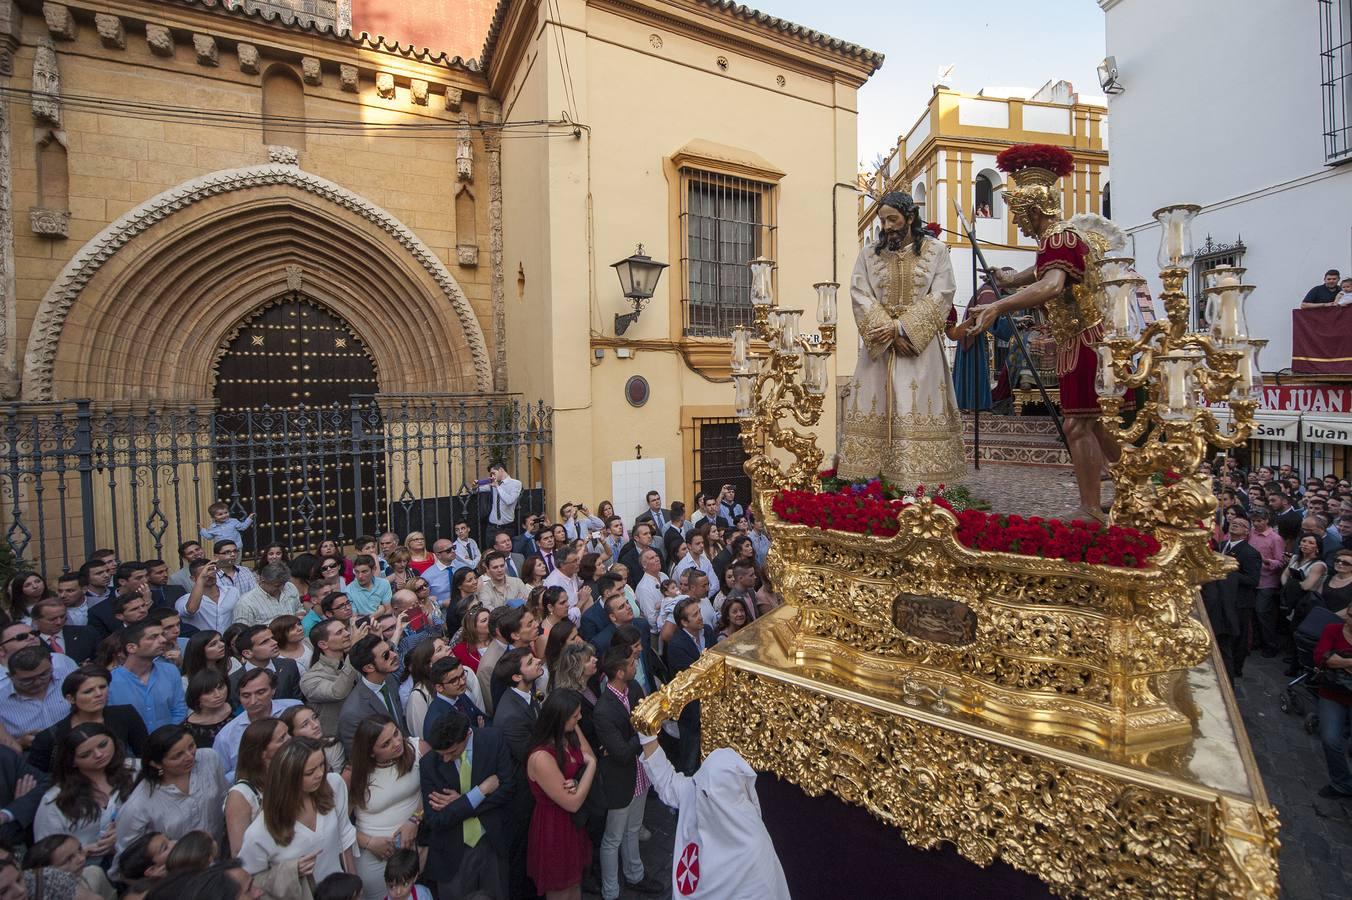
(1027, 490)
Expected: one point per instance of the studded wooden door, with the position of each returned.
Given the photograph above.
(285, 427)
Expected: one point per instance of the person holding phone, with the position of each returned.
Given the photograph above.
(211, 605)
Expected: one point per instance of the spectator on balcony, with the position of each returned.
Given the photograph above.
(274, 596)
(1344, 292)
(1322, 295)
(504, 492)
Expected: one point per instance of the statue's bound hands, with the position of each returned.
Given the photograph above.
(985, 318)
(904, 346)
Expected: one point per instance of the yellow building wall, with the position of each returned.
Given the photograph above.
(643, 100)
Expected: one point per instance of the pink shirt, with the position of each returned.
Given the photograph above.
(1270, 546)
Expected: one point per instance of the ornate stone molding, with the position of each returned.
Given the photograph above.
(204, 45)
(39, 360)
(111, 31)
(418, 88)
(51, 223)
(454, 97)
(9, 380)
(60, 23)
(464, 151)
(385, 85)
(311, 71)
(46, 84)
(467, 255)
(160, 39)
(283, 156)
(248, 58)
(497, 285)
(295, 278)
(347, 76)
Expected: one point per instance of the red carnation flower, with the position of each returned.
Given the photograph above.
(1035, 156)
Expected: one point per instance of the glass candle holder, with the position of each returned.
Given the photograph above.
(1177, 386)
(1223, 276)
(741, 345)
(1106, 383)
(788, 331)
(814, 374)
(1122, 316)
(1176, 234)
(744, 394)
(1250, 383)
(1111, 267)
(826, 302)
(1225, 313)
(762, 289)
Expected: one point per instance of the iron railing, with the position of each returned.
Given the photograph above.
(78, 476)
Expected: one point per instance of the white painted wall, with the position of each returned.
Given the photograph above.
(1221, 107)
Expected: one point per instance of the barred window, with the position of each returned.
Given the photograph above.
(726, 221)
(1210, 255)
(1335, 67)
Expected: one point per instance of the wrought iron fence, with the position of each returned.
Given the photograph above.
(79, 476)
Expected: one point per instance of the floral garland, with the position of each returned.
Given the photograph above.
(871, 507)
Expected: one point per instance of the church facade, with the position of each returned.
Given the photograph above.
(231, 204)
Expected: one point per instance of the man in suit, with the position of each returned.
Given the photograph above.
(649, 668)
(654, 515)
(632, 554)
(624, 784)
(257, 648)
(614, 605)
(515, 720)
(162, 593)
(692, 638)
(450, 678)
(376, 690)
(678, 529)
(1230, 601)
(502, 543)
(76, 641)
(468, 782)
(515, 628)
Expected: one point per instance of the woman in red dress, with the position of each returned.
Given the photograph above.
(474, 637)
(560, 769)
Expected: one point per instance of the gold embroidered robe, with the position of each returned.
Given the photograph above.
(901, 419)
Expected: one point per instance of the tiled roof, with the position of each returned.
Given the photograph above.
(291, 22)
(870, 57)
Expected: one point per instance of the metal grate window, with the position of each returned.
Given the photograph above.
(726, 222)
(1335, 67)
(1209, 256)
(719, 458)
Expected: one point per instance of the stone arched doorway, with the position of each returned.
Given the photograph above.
(137, 311)
(287, 382)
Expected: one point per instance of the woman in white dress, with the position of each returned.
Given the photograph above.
(305, 818)
(303, 722)
(91, 779)
(257, 747)
(386, 798)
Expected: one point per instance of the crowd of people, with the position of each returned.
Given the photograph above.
(405, 716)
(1291, 539)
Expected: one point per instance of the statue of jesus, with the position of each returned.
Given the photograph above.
(901, 421)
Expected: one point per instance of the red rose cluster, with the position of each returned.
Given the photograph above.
(869, 508)
(1076, 541)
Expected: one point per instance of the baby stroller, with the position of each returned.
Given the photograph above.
(1297, 698)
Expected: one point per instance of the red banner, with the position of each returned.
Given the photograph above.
(1308, 398)
(1321, 341)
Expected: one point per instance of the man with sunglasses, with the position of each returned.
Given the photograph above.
(376, 691)
(14, 638)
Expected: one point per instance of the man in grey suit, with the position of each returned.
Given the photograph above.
(658, 517)
(376, 691)
(502, 542)
(258, 649)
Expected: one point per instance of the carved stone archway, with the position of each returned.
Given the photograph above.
(139, 310)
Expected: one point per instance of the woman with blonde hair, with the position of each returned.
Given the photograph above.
(305, 817)
(400, 569)
(419, 559)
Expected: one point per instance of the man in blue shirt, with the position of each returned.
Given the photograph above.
(367, 592)
(438, 575)
(147, 682)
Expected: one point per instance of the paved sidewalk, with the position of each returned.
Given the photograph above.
(1028, 490)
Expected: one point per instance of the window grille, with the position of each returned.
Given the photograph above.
(726, 222)
(1335, 67)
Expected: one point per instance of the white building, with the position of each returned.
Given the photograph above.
(1245, 109)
